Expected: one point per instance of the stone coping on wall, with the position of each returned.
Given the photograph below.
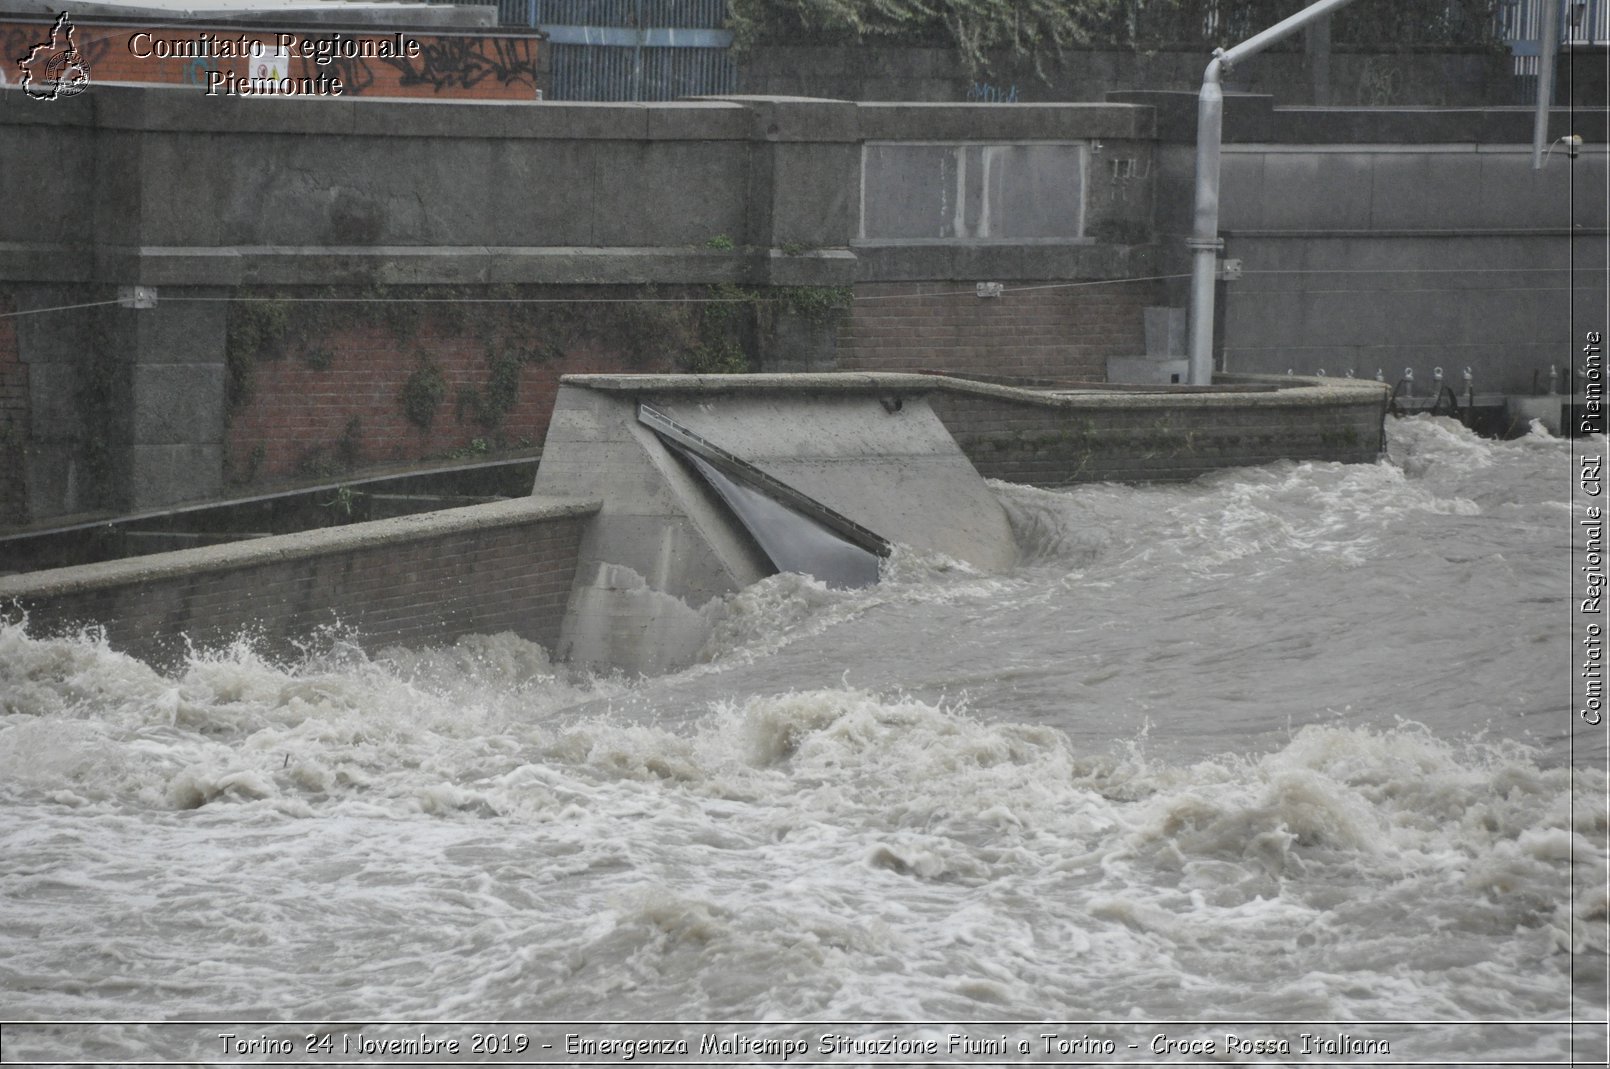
(302, 545)
(1292, 391)
(448, 265)
(157, 108)
(1253, 118)
(814, 382)
(151, 108)
(902, 121)
(1167, 115)
(1002, 261)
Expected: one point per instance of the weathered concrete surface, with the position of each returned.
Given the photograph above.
(1051, 437)
(274, 549)
(414, 580)
(659, 547)
(1378, 239)
(662, 546)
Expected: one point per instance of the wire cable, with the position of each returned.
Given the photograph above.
(58, 308)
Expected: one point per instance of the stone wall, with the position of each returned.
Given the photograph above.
(1369, 238)
(394, 383)
(412, 580)
(1036, 329)
(284, 240)
(1138, 437)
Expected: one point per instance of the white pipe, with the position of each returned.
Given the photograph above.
(1548, 43)
(1204, 241)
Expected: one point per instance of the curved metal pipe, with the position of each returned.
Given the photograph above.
(1204, 241)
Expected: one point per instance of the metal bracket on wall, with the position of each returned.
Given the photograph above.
(137, 296)
(1230, 269)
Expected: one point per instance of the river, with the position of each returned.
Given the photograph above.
(1282, 745)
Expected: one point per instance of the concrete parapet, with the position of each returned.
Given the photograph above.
(1019, 122)
(505, 566)
(1052, 437)
(865, 447)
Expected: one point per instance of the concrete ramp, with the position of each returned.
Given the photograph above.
(710, 483)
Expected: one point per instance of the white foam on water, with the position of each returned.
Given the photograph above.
(1270, 745)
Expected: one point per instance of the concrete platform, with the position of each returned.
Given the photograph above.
(866, 447)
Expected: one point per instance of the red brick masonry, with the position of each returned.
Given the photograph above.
(1054, 331)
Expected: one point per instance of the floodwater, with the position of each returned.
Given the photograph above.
(1288, 744)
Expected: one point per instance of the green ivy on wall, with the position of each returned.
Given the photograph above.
(713, 330)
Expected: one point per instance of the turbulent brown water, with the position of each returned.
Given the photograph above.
(1288, 744)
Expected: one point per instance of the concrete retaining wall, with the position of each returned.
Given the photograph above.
(1095, 436)
(1369, 239)
(1392, 240)
(214, 200)
(506, 566)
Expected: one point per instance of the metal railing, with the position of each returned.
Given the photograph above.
(663, 49)
(623, 50)
(1583, 23)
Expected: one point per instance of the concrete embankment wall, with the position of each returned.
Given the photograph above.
(506, 566)
(1391, 240)
(344, 284)
(866, 447)
(1059, 439)
(612, 563)
(340, 283)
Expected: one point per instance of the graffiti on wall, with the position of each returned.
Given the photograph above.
(466, 62)
(985, 93)
(489, 66)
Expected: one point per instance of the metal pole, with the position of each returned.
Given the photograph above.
(1548, 44)
(1204, 241)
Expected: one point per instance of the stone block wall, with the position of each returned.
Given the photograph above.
(412, 580)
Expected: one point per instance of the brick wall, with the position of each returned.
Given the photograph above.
(335, 400)
(459, 66)
(1061, 332)
(414, 580)
(13, 423)
(1127, 439)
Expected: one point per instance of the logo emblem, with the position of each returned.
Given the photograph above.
(53, 68)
